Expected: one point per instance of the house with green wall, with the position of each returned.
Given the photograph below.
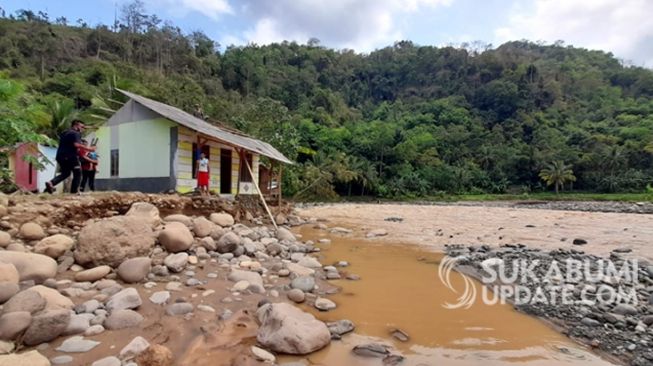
(149, 146)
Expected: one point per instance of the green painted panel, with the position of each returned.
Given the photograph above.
(103, 149)
(145, 148)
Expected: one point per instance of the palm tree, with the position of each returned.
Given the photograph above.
(62, 112)
(557, 173)
(367, 174)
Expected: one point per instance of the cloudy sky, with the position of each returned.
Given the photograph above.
(623, 27)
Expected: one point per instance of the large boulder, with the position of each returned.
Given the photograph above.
(134, 348)
(9, 273)
(53, 299)
(309, 262)
(202, 227)
(255, 280)
(146, 211)
(29, 358)
(223, 219)
(30, 266)
(134, 269)
(155, 355)
(46, 326)
(54, 246)
(93, 274)
(280, 219)
(176, 262)
(299, 270)
(14, 324)
(31, 231)
(30, 301)
(123, 300)
(110, 241)
(228, 242)
(179, 218)
(5, 239)
(304, 283)
(176, 238)
(121, 319)
(285, 234)
(287, 329)
(7, 290)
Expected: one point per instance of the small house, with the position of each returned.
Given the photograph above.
(27, 175)
(150, 146)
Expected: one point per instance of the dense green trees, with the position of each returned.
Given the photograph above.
(405, 120)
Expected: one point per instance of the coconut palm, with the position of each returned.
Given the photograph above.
(62, 112)
(557, 174)
(367, 174)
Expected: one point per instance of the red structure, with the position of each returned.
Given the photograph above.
(25, 174)
(30, 176)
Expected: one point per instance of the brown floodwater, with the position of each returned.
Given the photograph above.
(400, 288)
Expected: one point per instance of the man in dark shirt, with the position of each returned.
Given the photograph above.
(68, 157)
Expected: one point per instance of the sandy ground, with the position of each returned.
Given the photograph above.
(436, 226)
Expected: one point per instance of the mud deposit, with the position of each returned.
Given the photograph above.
(400, 289)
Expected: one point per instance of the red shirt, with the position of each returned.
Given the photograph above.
(86, 165)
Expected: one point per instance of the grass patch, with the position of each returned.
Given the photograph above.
(549, 196)
(541, 196)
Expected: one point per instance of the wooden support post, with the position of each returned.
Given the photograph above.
(279, 184)
(260, 194)
(240, 162)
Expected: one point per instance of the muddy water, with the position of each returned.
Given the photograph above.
(400, 288)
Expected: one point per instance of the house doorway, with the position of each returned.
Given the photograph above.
(225, 171)
(206, 149)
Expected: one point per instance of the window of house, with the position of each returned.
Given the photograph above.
(31, 173)
(244, 172)
(206, 149)
(115, 159)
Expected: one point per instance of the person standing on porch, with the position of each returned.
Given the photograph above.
(68, 157)
(203, 175)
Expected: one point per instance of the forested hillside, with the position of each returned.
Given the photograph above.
(405, 120)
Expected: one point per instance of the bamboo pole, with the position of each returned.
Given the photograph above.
(251, 174)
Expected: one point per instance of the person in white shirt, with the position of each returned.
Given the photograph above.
(203, 175)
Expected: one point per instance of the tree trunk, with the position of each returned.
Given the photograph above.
(42, 67)
(556, 185)
(381, 163)
(99, 45)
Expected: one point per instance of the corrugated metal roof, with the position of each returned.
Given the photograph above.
(199, 125)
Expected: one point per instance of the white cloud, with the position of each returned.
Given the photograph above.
(211, 8)
(623, 27)
(358, 24)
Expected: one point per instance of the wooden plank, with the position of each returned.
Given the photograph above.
(185, 146)
(185, 153)
(186, 138)
(185, 160)
(251, 174)
(185, 175)
(182, 130)
(184, 168)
